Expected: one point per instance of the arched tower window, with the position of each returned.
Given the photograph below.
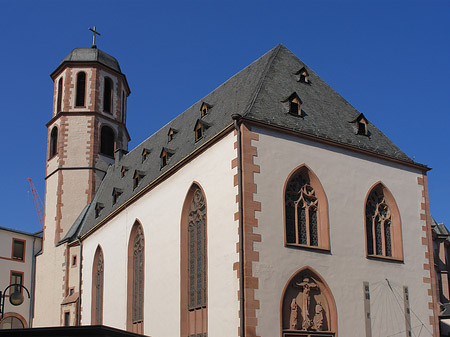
(383, 227)
(136, 268)
(107, 141)
(308, 306)
(107, 95)
(53, 142)
(123, 106)
(306, 210)
(81, 89)
(59, 95)
(97, 288)
(194, 288)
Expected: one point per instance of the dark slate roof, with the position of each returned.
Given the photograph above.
(439, 229)
(92, 55)
(259, 93)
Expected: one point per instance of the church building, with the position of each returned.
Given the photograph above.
(271, 207)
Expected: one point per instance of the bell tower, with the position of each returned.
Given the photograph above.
(88, 124)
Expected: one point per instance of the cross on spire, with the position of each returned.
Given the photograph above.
(93, 38)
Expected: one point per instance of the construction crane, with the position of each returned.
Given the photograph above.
(36, 202)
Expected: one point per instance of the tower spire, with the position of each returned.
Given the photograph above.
(93, 38)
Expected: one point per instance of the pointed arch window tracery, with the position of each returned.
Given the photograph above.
(97, 288)
(194, 257)
(136, 279)
(383, 228)
(306, 211)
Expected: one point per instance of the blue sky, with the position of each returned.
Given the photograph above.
(389, 59)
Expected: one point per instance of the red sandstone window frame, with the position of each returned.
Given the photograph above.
(108, 95)
(107, 141)
(23, 250)
(196, 316)
(97, 292)
(135, 325)
(59, 94)
(323, 227)
(80, 90)
(396, 226)
(53, 145)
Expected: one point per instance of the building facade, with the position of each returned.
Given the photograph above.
(17, 266)
(271, 207)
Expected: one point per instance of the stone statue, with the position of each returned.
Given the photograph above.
(306, 301)
(318, 317)
(293, 316)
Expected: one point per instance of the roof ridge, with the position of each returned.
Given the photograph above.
(263, 77)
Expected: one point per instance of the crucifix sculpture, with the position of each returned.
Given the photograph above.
(93, 38)
(306, 286)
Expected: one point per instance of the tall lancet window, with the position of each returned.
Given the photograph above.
(107, 141)
(53, 142)
(383, 230)
(59, 95)
(306, 211)
(107, 95)
(97, 288)
(194, 265)
(136, 267)
(81, 88)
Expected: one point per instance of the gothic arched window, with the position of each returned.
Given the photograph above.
(81, 89)
(59, 96)
(107, 95)
(306, 211)
(53, 142)
(308, 306)
(136, 268)
(97, 288)
(383, 228)
(107, 141)
(194, 264)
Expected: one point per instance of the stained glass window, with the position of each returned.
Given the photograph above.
(98, 288)
(378, 224)
(301, 205)
(197, 251)
(138, 276)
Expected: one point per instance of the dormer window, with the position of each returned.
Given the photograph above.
(165, 155)
(116, 194)
(123, 171)
(98, 208)
(137, 177)
(204, 109)
(303, 76)
(145, 154)
(295, 105)
(199, 129)
(171, 134)
(361, 125)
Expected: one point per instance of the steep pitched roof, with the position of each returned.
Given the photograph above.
(258, 92)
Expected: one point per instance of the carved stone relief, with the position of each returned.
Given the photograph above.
(305, 305)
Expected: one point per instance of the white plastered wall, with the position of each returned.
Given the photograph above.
(346, 178)
(159, 211)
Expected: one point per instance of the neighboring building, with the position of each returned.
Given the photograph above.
(17, 265)
(271, 207)
(441, 245)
